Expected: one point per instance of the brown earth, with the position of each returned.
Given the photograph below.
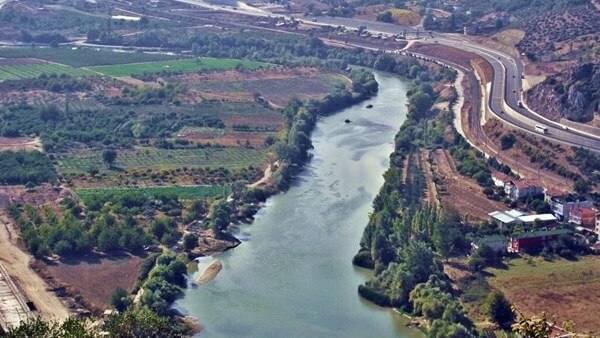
(19, 61)
(20, 143)
(457, 56)
(95, 277)
(458, 192)
(233, 139)
(208, 244)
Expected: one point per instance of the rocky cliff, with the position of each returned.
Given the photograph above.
(573, 94)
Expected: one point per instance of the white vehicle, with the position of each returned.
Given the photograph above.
(541, 129)
(520, 104)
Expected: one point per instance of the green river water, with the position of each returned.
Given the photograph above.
(292, 276)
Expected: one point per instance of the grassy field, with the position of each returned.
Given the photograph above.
(568, 289)
(35, 70)
(185, 66)
(143, 158)
(277, 90)
(83, 57)
(182, 192)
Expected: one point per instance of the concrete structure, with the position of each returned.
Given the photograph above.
(13, 306)
(496, 243)
(585, 217)
(508, 219)
(544, 219)
(500, 179)
(523, 188)
(505, 219)
(535, 240)
(561, 206)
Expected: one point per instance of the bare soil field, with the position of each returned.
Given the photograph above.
(19, 62)
(96, 277)
(38, 196)
(20, 143)
(278, 86)
(461, 193)
(569, 290)
(227, 139)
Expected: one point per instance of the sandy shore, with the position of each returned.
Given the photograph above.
(210, 272)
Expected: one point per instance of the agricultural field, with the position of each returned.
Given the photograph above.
(278, 86)
(85, 57)
(185, 66)
(81, 161)
(181, 192)
(31, 68)
(95, 277)
(568, 289)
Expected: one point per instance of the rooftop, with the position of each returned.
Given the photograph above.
(527, 183)
(554, 192)
(540, 217)
(491, 239)
(542, 233)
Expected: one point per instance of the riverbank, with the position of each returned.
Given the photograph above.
(287, 269)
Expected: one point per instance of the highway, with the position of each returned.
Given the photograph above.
(506, 91)
(506, 87)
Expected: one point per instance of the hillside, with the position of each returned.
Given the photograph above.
(572, 94)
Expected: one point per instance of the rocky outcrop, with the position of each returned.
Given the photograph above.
(574, 94)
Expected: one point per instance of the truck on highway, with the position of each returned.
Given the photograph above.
(520, 104)
(541, 129)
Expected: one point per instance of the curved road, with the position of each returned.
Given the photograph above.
(506, 89)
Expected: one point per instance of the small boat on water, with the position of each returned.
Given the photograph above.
(369, 106)
(347, 121)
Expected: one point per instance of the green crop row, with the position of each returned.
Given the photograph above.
(182, 192)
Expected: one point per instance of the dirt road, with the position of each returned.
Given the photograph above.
(16, 263)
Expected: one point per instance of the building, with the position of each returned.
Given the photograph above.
(535, 240)
(542, 219)
(585, 217)
(505, 219)
(508, 219)
(561, 206)
(552, 192)
(500, 179)
(523, 188)
(497, 243)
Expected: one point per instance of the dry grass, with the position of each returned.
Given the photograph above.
(568, 289)
(95, 278)
(405, 17)
(459, 192)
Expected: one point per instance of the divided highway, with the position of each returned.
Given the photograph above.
(506, 92)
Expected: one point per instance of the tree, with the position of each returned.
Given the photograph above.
(71, 327)
(120, 299)
(537, 326)
(507, 141)
(419, 104)
(93, 34)
(140, 323)
(385, 17)
(190, 241)
(109, 156)
(498, 308)
(581, 186)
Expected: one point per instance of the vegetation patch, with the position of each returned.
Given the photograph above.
(180, 192)
(183, 66)
(35, 70)
(25, 167)
(84, 57)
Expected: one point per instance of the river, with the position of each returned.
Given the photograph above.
(292, 276)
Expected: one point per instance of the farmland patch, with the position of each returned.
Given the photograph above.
(185, 66)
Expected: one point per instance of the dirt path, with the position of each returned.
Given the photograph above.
(431, 194)
(265, 179)
(16, 263)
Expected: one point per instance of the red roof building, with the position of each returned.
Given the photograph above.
(586, 217)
